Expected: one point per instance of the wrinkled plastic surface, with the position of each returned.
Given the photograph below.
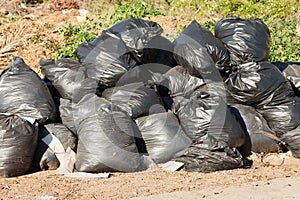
(247, 40)
(282, 117)
(135, 99)
(136, 34)
(290, 70)
(195, 58)
(18, 140)
(195, 33)
(214, 129)
(69, 78)
(206, 112)
(146, 73)
(106, 137)
(198, 158)
(159, 50)
(292, 140)
(117, 50)
(23, 93)
(163, 136)
(45, 158)
(179, 82)
(67, 115)
(262, 137)
(259, 84)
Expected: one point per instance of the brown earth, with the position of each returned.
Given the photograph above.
(32, 38)
(47, 185)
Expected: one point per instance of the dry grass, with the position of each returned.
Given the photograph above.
(10, 40)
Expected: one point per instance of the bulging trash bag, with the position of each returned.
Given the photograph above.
(179, 82)
(258, 84)
(23, 93)
(163, 136)
(117, 50)
(292, 141)
(290, 70)
(282, 117)
(67, 114)
(135, 99)
(247, 40)
(206, 115)
(195, 33)
(45, 157)
(159, 50)
(136, 34)
(18, 139)
(195, 58)
(69, 78)
(199, 158)
(146, 73)
(105, 137)
(263, 139)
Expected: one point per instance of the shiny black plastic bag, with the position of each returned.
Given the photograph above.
(159, 50)
(195, 33)
(135, 99)
(18, 140)
(23, 93)
(105, 137)
(259, 84)
(67, 115)
(215, 130)
(247, 40)
(282, 117)
(69, 77)
(195, 58)
(292, 141)
(178, 82)
(290, 70)
(263, 139)
(163, 136)
(45, 158)
(117, 50)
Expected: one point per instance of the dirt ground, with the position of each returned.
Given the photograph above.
(30, 39)
(47, 185)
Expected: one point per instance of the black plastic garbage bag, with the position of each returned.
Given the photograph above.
(105, 137)
(195, 33)
(292, 141)
(135, 99)
(18, 139)
(149, 74)
(247, 40)
(117, 50)
(67, 114)
(23, 93)
(159, 50)
(259, 84)
(263, 139)
(206, 112)
(290, 70)
(201, 116)
(178, 82)
(195, 58)
(199, 158)
(69, 78)
(45, 157)
(283, 117)
(163, 136)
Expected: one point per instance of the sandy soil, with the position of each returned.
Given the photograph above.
(33, 43)
(47, 185)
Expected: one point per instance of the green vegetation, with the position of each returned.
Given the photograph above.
(282, 18)
(75, 35)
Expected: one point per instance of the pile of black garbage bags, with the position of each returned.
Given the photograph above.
(133, 99)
